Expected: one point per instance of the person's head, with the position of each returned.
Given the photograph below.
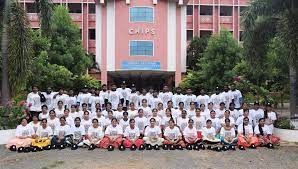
(98, 112)
(109, 105)
(123, 85)
(181, 105)
(52, 114)
(44, 123)
(202, 107)
(155, 94)
(233, 87)
(77, 121)
(154, 112)
(34, 118)
(198, 112)
(151, 90)
(84, 106)
(144, 91)
(217, 91)
(49, 90)
(171, 123)
(192, 105)
(226, 88)
(60, 104)
(170, 104)
(113, 87)
(227, 122)
(66, 112)
(165, 88)
(168, 112)
(210, 106)
(268, 107)
(246, 112)
(140, 112)
(133, 88)
(34, 89)
(189, 91)
(232, 106)
(97, 106)
(110, 114)
(44, 108)
(78, 107)
(178, 90)
(125, 115)
(245, 121)
(24, 122)
(132, 123)
(159, 106)
(120, 107)
(86, 115)
(256, 105)
(62, 121)
(152, 122)
(212, 114)
(85, 89)
(144, 103)
(61, 91)
(104, 87)
(70, 92)
(114, 122)
(183, 114)
(190, 123)
(208, 123)
(132, 106)
(95, 123)
(202, 92)
(222, 106)
(227, 113)
(245, 106)
(262, 122)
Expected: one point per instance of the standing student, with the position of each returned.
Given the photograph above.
(227, 133)
(44, 134)
(270, 116)
(113, 135)
(78, 132)
(264, 134)
(216, 99)
(60, 97)
(153, 134)
(23, 136)
(203, 98)
(189, 98)
(190, 133)
(146, 109)
(166, 95)
(237, 97)
(83, 97)
(125, 92)
(143, 96)
(95, 134)
(62, 133)
(209, 133)
(59, 110)
(178, 97)
(34, 123)
(157, 118)
(133, 97)
(104, 94)
(199, 122)
(49, 95)
(246, 136)
(173, 135)
(132, 134)
(94, 100)
(71, 99)
(115, 97)
(34, 102)
(227, 96)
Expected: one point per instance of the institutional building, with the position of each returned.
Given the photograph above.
(144, 41)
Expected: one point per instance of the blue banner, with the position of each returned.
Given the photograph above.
(140, 65)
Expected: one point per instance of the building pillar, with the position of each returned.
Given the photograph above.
(236, 21)
(85, 25)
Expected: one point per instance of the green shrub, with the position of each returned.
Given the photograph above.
(283, 123)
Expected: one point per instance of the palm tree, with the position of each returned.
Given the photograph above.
(45, 9)
(266, 19)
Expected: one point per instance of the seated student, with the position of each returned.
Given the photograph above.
(44, 135)
(113, 135)
(227, 116)
(24, 134)
(167, 117)
(34, 123)
(78, 131)
(190, 133)
(245, 134)
(44, 112)
(215, 121)
(173, 135)
(95, 134)
(118, 114)
(131, 135)
(227, 133)
(182, 121)
(146, 109)
(141, 121)
(220, 112)
(209, 133)
(62, 133)
(53, 121)
(101, 119)
(157, 118)
(245, 114)
(124, 122)
(109, 118)
(132, 112)
(199, 122)
(264, 134)
(153, 134)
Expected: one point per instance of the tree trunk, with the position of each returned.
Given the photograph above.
(293, 89)
(5, 85)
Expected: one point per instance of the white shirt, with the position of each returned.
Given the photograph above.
(256, 115)
(93, 100)
(104, 95)
(59, 112)
(203, 99)
(248, 129)
(215, 123)
(62, 98)
(86, 124)
(118, 114)
(191, 113)
(124, 123)
(125, 93)
(158, 120)
(266, 130)
(165, 121)
(34, 126)
(24, 131)
(95, 133)
(44, 132)
(132, 134)
(220, 113)
(172, 134)
(132, 113)
(33, 99)
(83, 98)
(216, 99)
(71, 100)
(147, 111)
(114, 131)
(190, 133)
(141, 122)
(152, 132)
(236, 96)
(141, 97)
(208, 132)
(199, 122)
(165, 97)
(235, 114)
(69, 121)
(227, 133)
(53, 123)
(114, 98)
(43, 116)
(134, 98)
(188, 99)
(270, 119)
(154, 102)
(227, 98)
(49, 99)
(182, 123)
(240, 121)
(78, 132)
(177, 98)
(76, 114)
(62, 131)
(232, 121)
(102, 121)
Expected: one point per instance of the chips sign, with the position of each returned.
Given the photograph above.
(140, 65)
(141, 31)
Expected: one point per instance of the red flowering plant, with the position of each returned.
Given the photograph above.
(14, 111)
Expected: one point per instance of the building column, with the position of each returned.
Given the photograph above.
(85, 29)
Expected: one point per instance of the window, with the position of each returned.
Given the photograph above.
(189, 35)
(75, 8)
(141, 48)
(205, 33)
(92, 34)
(141, 14)
(91, 8)
(31, 8)
(242, 9)
(240, 36)
(206, 10)
(189, 10)
(226, 11)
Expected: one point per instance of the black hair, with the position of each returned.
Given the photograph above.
(52, 111)
(60, 102)
(103, 85)
(73, 106)
(208, 121)
(243, 125)
(125, 113)
(265, 113)
(131, 120)
(44, 106)
(84, 104)
(170, 101)
(95, 120)
(77, 118)
(87, 112)
(227, 120)
(114, 119)
(222, 103)
(190, 120)
(181, 103)
(63, 118)
(260, 128)
(66, 109)
(201, 105)
(171, 120)
(152, 119)
(44, 120)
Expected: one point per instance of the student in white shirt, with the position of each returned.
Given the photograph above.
(182, 121)
(59, 110)
(160, 110)
(71, 99)
(53, 121)
(270, 117)
(125, 92)
(141, 121)
(256, 113)
(34, 102)
(153, 134)
(83, 97)
(60, 96)
(227, 133)
(246, 136)
(166, 95)
(115, 97)
(178, 97)
(227, 96)
(216, 99)
(62, 133)
(94, 100)
(155, 100)
(220, 112)
(73, 113)
(166, 118)
(209, 133)
(189, 97)
(95, 134)
(34, 123)
(124, 122)
(203, 98)
(44, 112)
(44, 134)
(23, 136)
(113, 135)
(215, 121)
(104, 94)
(132, 134)
(190, 133)
(237, 96)
(157, 118)
(233, 112)
(133, 97)
(86, 121)
(69, 119)
(227, 116)
(192, 109)
(102, 121)
(78, 132)
(264, 134)
(245, 114)
(199, 122)
(146, 109)
(180, 109)
(49, 95)
(118, 114)
(143, 96)
(173, 135)
(132, 112)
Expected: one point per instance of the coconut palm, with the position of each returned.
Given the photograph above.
(266, 19)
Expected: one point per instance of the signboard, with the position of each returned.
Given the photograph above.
(140, 65)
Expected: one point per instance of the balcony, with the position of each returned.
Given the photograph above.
(206, 19)
(33, 17)
(206, 2)
(226, 19)
(226, 2)
(76, 17)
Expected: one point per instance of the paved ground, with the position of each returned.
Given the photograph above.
(279, 158)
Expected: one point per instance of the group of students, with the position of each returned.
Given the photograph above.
(139, 125)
